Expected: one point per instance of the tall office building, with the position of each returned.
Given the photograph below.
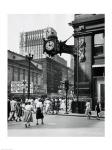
(32, 42)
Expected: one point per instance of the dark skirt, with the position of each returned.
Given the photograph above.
(98, 110)
(28, 116)
(39, 114)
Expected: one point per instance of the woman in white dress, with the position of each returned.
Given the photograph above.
(47, 106)
(62, 106)
(88, 109)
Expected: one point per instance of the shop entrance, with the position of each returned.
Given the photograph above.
(101, 93)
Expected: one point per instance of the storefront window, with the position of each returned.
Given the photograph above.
(98, 44)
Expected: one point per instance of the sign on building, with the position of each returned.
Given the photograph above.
(19, 87)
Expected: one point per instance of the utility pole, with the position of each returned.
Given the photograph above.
(29, 58)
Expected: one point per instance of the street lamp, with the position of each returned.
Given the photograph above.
(24, 82)
(29, 58)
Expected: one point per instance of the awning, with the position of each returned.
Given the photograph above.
(98, 65)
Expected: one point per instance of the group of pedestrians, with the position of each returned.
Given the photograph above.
(19, 111)
(24, 111)
(97, 109)
(56, 104)
(30, 108)
(52, 106)
(15, 111)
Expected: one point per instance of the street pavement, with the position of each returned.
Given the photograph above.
(62, 125)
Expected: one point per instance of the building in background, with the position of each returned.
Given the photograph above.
(72, 62)
(18, 76)
(45, 75)
(55, 69)
(53, 73)
(91, 70)
(60, 60)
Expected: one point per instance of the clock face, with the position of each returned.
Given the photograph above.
(49, 45)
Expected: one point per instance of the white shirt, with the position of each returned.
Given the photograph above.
(88, 105)
(39, 104)
(47, 102)
(28, 107)
(13, 105)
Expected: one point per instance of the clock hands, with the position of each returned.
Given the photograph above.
(50, 45)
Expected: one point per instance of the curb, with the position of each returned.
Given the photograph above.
(76, 115)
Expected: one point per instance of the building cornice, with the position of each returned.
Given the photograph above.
(95, 19)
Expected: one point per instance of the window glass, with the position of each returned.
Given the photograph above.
(10, 72)
(99, 39)
(15, 74)
(21, 74)
(98, 44)
(34, 78)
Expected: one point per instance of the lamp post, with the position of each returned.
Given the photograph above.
(29, 58)
(66, 102)
(24, 82)
(66, 89)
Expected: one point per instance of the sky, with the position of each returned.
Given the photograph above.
(28, 22)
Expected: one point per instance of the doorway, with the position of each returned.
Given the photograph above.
(101, 93)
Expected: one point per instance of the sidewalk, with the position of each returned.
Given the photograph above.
(81, 115)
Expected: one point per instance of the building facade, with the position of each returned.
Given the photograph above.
(18, 73)
(53, 73)
(90, 65)
(72, 62)
(45, 75)
(60, 60)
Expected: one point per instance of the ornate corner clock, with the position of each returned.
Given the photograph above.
(49, 45)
